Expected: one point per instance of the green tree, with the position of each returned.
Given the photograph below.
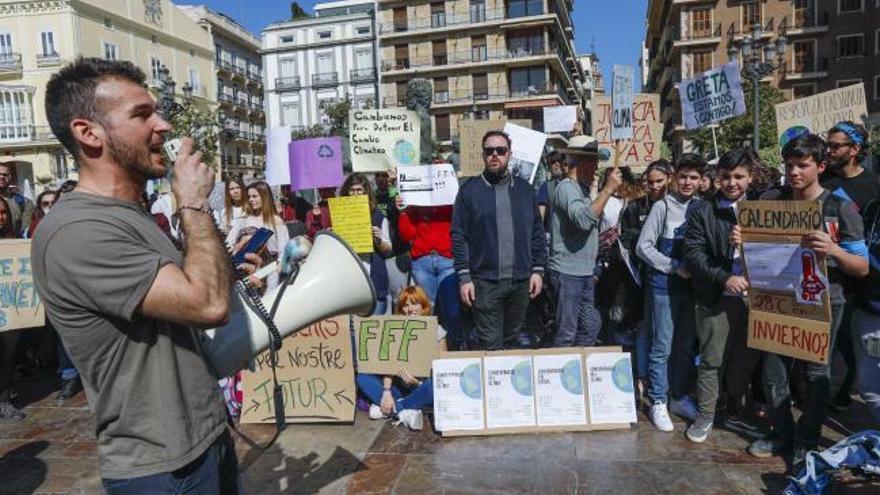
(738, 131)
(297, 12)
(200, 123)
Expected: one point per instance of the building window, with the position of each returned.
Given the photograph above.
(481, 86)
(803, 90)
(478, 49)
(526, 43)
(441, 90)
(363, 58)
(478, 11)
(877, 87)
(325, 35)
(60, 165)
(851, 46)
(751, 15)
(363, 30)
(438, 49)
(804, 53)
(524, 8)
(111, 51)
(442, 128)
(438, 14)
(155, 68)
(5, 45)
(286, 39)
(47, 43)
(702, 61)
(287, 67)
(324, 63)
(527, 81)
(15, 124)
(804, 13)
(290, 114)
(701, 23)
(195, 81)
(323, 104)
(842, 83)
(847, 6)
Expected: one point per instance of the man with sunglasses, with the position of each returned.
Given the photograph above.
(21, 209)
(498, 245)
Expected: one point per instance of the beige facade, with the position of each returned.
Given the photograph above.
(485, 58)
(38, 37)
(831, 43)
(238, 77)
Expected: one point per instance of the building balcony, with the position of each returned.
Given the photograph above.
(477, 56)
(806, 24)
(325, 79)
(806, 69)
(439, 21)
(255, 107)
(470, 97)
(697, 37)
(362, 75)
(25, 133)
(255, 76)
(391, 101)
(287, 83)
(10, 62)
(224, 65)
(226, 98)
(48, 59)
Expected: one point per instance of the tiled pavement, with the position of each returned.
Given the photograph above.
(53, 451)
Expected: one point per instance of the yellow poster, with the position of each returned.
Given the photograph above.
(350, 216)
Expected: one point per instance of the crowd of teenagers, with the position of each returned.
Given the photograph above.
(649, 262)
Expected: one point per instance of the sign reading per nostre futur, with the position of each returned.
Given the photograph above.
(20, 305)
(712, 97)
(384, 139)
(622, 102)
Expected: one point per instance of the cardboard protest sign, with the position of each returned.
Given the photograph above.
(384, 139)
(622, 102)
(316, 373)
(527, 147)
(820, 112)
(315, 163)
(458, 392)
(471, 134)
(644, 147)
(20, 304)
(277, 156)
(789, 303)
(428, 185)
(560, 119)
(712, 97)
(350, 216)
(387, 344)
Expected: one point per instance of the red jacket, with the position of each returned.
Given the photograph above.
(320, 222)
(427, 228)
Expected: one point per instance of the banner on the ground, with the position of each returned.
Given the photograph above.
(644, 147)
(491, 393)
(428, 185)
(820, 112)
(560, 119)
(527, 147)
(388, 344)
(350, 216)
(384, 138)
(315, 163)
(789, 292)
(712, 97)
(470, 135)
(277, 156)
(20, 304)
(622, 102)
(315, 372)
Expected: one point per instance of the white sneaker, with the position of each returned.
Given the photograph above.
(412, 418)
(660, 417)
(376, 412)
(685, 408)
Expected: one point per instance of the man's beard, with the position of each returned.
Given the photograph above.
(137, 162)
(837, 163)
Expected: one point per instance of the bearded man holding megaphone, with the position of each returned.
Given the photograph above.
(133, 311)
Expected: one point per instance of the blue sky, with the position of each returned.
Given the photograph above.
(615, 27)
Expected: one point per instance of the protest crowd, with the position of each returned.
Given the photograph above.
(597, 255)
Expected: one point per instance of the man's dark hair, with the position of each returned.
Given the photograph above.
(805, 145)
(691, 161)
(555, 156)
(739, 157)
(496, 133)
(12, 170)
(851, 129)
(70, 94)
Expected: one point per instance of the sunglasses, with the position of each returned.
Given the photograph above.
(835, 146)
(498, 150)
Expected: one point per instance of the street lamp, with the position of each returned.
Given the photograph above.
(167, 104)
(760, 59)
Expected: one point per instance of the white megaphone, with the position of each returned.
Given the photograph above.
(331, 281)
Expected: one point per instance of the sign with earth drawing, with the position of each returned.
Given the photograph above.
(384, 139)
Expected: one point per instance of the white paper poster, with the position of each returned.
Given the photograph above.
(559, 390)
(458, 394)
(622, 102)
(383, 139)
(610, 388)
(428, 185)
(560, 119)
(527, 148)
(712, 97)
(277, 157)
(510, 399)
(776, 267)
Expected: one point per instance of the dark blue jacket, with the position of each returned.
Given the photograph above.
(475, 231)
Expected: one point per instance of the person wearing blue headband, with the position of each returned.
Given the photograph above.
(847, 178)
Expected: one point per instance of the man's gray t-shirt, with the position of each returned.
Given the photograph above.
(156, 403)
(574, 231)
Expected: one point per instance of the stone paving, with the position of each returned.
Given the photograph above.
(53, 451)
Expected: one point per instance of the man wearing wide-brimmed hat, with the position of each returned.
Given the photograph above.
(574, 241)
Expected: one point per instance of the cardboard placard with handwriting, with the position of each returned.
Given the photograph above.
(789, 301)
(316, 373)
(647, 133)
(820, 112)
(350, 216)
(471, 134)
(20, 304)
(387, 344)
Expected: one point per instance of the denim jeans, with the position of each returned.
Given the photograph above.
(65, 366)
(381, 306)
(671, 369)
(500, 312)
(215, 471)
(578, 322)
(816, 395)
(415, 398)
(429, 270)
(866, 335)
(643, 348)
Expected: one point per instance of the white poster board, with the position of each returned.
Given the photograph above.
(458, 394)
(560, 119)
(277, 156)
(559, 389)
(712, 97)
(611, 388)
(510, 400)
(384, 138)
(428, 185)
(622, 102)
(527, 148)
